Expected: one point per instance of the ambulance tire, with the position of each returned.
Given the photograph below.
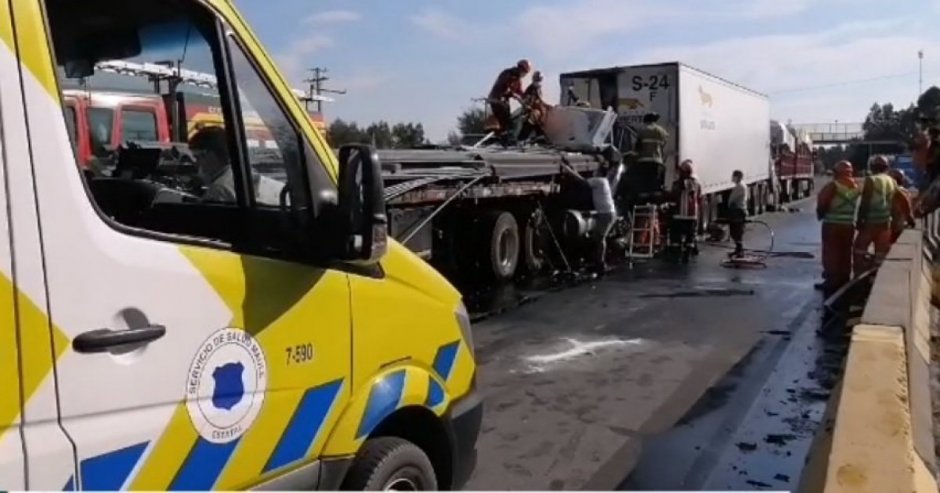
(503, 245)
(390, 463)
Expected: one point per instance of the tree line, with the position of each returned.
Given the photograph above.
(382, 134)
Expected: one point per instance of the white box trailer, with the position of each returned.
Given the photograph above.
(719, 125)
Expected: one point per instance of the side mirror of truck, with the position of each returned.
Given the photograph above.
(363, 222)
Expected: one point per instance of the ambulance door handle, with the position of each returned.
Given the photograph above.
(102, 340)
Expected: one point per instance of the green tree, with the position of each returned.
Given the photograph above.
(928, 104)
(887, 131)
(379, 134)
(829, 156)
(341, 133)
(408, 135)
(472, 121)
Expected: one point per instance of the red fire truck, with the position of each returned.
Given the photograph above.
(101, 120)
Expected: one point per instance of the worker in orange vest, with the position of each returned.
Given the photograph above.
(835, 207)
(880, 197)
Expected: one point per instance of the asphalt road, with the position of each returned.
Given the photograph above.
(587, 385)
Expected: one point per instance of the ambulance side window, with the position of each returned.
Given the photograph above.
(241, 174)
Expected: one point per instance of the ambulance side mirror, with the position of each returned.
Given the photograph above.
(363, 222)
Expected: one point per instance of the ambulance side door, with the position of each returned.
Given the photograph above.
(196, 348)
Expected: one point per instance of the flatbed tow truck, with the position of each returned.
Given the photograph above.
(496, 212)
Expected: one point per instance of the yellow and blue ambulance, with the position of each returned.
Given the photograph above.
(165, 324)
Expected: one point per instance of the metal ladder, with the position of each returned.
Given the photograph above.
(646, 216)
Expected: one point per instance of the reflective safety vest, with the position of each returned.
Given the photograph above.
(844, 203)
(882, 195)
(651, 140)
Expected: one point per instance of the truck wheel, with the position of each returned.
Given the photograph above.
(504, 246)
(533, 256)
(390, 463)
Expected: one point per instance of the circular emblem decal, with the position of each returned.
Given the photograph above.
(225, 385)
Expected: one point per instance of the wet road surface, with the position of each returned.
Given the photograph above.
(662, 371)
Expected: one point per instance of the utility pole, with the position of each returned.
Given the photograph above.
(920, 73)
(316, 86)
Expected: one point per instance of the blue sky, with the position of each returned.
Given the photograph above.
(423, 60)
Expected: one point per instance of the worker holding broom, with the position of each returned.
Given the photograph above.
(879, 198)
(835, 207)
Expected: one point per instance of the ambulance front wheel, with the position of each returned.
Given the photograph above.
(390, 464)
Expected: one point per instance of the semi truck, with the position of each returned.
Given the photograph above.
(721, 126)
(793, 160)
(494, 213)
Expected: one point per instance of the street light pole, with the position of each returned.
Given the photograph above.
(920, 72)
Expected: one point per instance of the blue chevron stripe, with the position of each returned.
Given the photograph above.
(109, 471)
(435, 393)
(383, 400)
(304, 425)
(203, 465)
(445, 358)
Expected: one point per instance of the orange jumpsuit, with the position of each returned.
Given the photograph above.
(874, 229)
(835, 207)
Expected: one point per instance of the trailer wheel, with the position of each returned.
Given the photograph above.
(533, 255)
(390, 463)
(504, 246)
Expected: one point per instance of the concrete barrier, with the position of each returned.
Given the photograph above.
(882, 438)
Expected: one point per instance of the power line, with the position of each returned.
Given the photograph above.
(844, 83)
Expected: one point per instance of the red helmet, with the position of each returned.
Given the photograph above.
(524, 65)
